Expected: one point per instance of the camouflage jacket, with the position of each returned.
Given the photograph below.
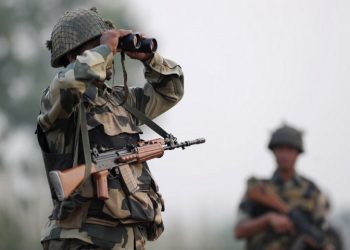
(298, 193)
(83, 216)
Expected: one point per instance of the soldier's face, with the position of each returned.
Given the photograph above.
(286, 157)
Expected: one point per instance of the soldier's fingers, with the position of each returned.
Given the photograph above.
(289, 226)
(117, 33)
(309, 241)
(139, 55)
(122, 32)
(284, 227)
(135, 54)
(281, 229)
(131, 54)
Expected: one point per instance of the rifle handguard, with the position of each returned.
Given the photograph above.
(144, 153)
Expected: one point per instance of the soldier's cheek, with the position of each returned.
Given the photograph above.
(108, 74)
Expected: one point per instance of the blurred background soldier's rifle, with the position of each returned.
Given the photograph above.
(264, 195)
(65, 182)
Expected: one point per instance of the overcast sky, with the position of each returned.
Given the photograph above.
(249, 66)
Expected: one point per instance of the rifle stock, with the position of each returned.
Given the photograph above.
(145, 152)
(65, 182)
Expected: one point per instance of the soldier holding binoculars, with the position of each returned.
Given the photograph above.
(84, 44)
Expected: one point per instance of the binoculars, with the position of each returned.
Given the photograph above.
(134, 42)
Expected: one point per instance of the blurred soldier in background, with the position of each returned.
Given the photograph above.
(83, 43)
(286, 211)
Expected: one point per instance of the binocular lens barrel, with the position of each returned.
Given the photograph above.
(130, 42)
(148, 45)
(135, 43)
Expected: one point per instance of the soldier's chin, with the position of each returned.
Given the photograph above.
(108, 74)
(285, 166)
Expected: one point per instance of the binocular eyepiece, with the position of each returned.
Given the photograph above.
(135, 43)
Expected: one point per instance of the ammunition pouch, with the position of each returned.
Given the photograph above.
(142, 207)
(64, 211)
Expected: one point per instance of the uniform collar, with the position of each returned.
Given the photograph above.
(276, 178)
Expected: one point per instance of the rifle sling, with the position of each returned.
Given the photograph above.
(142, 117)
(76, 138)
(81, 126)
(82, 123)
(86, 142)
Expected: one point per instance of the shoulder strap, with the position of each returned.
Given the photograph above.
(86, 142)
(151, 124)
(81, 127)
(76, 138)
(82, 123)
(139, 115)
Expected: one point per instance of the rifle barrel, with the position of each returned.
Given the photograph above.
(186, 144)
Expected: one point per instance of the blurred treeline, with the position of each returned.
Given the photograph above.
(25, 73)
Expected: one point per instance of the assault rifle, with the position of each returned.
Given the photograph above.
(65, 182)
(262, 194)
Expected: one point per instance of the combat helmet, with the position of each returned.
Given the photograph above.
(72, 30)
(286, 135)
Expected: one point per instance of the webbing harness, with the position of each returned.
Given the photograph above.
(82, 126)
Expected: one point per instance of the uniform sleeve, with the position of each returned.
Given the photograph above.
(164, 87)
(321, 209)
(248, 209)
(243, 212)
(61, 97)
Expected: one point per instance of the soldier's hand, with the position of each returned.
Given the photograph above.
(280, 223)
(312, 243)
(139, 55)
(111, 38)
(329, 247)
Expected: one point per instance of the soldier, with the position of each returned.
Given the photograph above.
(83, 43)
(265, 228)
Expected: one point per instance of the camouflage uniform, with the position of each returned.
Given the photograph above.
(299, 193)
(123, 221)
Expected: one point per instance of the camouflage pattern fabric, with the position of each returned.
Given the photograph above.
(137, 242)
(299, 193)
(108, 224)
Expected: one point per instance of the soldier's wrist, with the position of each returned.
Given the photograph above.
(148, 61)
(269, 218)
(148, 58)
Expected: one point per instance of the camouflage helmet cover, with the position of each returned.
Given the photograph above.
(288, 136)
(74, 29)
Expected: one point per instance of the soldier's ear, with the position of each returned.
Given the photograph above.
(110, 24)
(70, 57)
